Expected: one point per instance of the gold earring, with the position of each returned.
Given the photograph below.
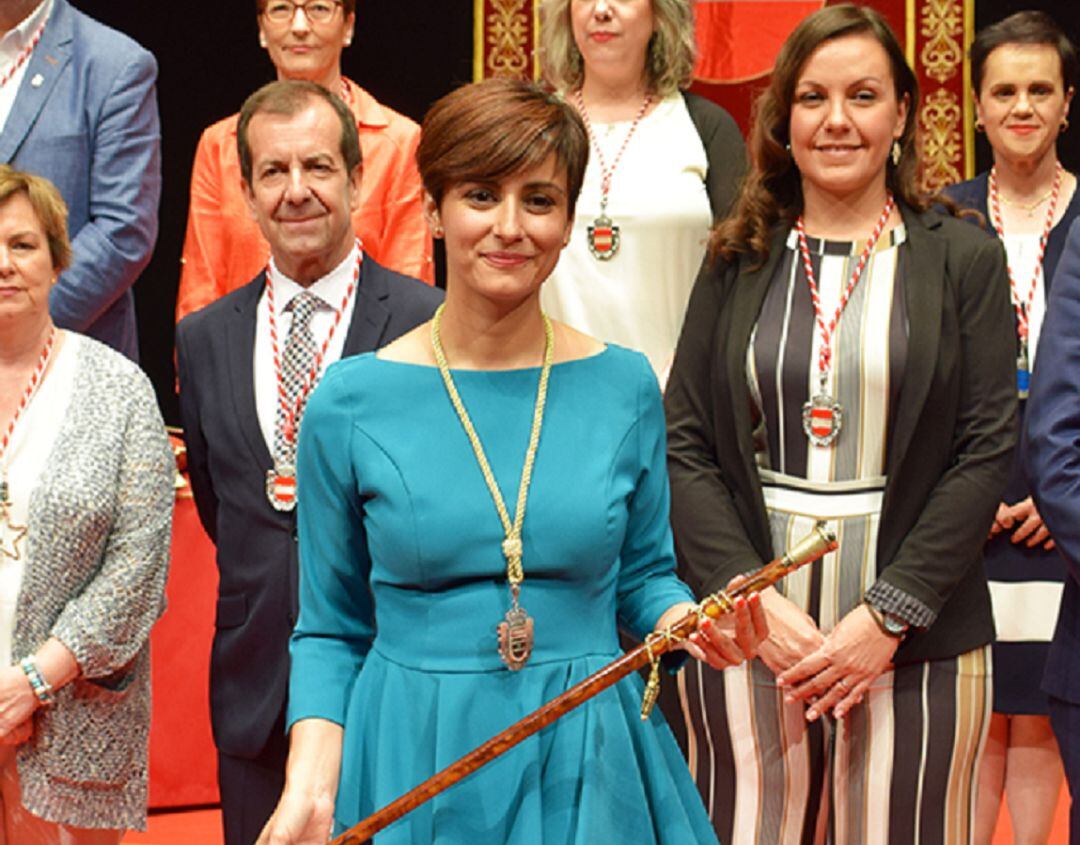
(438, 231)
(1064, 124)
(895, 153)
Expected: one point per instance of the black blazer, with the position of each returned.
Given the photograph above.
(227, 460)
(948, 452)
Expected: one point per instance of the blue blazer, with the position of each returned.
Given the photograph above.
(86, 118)
(1051, 453)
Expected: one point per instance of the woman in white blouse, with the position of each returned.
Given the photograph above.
(85, 517)
(663, 165)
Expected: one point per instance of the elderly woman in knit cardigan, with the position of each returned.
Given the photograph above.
(85, 517)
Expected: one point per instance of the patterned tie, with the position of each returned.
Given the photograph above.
(296, 363)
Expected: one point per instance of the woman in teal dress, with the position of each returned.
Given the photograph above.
(411, 559)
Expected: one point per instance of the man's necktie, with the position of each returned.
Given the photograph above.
(296, 363)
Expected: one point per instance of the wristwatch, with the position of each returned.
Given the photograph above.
(889, 623)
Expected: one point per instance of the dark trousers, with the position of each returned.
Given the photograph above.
(1065, 720)
(251, 787)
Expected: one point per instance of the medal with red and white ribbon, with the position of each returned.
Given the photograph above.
(823, 415)
(281, 478)
(1023, 305)
(7, 526)
(24, 54)
(604, 235)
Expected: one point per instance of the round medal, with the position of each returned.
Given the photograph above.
(281, 487)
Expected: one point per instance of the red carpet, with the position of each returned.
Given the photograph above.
(203, 827)
(1060, 834)
(193, 827)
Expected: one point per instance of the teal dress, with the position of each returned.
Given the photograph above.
(402, 584)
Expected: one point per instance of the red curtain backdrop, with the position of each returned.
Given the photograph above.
(183, 762)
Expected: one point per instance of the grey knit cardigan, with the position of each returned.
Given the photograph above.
(97, 556)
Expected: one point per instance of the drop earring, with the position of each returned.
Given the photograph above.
(896, 153)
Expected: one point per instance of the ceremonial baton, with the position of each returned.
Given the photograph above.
(816, 544)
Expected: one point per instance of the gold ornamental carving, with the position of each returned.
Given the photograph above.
(942, 144)
(507, 39)
(943, 28)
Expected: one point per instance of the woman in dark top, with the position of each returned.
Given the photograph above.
(1024, 70)
(846, 357)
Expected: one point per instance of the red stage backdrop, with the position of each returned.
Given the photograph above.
(739, 40)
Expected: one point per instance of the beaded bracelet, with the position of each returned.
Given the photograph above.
(38, 684)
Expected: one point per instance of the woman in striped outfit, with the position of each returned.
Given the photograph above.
(848, 356)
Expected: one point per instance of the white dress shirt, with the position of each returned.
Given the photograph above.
(26, 458)
(331, 289)
(11, 45)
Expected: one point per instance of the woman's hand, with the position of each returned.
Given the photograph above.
(729, 640)
(792, 633)
(1002, 519)
(305, 813)
(1029, 525)
(299, 819)
(19, 734)
(836, 676)
(17, 704)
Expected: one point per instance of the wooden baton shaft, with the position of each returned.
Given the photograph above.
(819, 542)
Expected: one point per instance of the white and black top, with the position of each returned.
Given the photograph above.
(843, 481)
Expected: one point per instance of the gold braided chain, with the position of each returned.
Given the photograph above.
(511, 546)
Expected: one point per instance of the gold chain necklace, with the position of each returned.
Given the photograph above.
(1027, 206)
(516, 630)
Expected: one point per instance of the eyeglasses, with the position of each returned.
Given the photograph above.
(316, 11)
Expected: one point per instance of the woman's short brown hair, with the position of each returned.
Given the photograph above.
(48, 205)
(1027, 27)
(492, 129)
(669, 62)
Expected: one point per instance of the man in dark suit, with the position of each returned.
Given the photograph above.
(1051, 451)
(246, 366)
(81, 110)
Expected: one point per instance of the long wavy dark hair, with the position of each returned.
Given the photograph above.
(772, 191)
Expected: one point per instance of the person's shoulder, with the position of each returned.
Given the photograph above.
(709, 117)
(99, 42)
(107, 367)
(344, 384)
(706, 109)
(398, 288)
(377, 115)
(970, 193)
(221, 132)
(210, 316)
(626, 371)
(958, 231)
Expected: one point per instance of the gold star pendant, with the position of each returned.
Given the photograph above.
(10, 536)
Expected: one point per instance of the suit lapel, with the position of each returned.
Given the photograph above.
(240, 341)
(50, 57)
(370, 314)
(924, 285)
(748, 296)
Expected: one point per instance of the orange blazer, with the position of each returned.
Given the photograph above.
(223, 247)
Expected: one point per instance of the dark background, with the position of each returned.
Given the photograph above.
(407, 53)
